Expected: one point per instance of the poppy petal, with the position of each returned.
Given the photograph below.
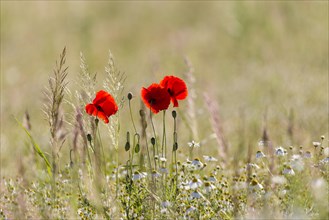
(103, 106)
(102, 116)
(91, 109)
(106, 102)
(176, 87)
(100, 97)
(175, 102)
(155, 97)
(109, 106)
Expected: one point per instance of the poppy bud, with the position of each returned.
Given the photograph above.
(174, 114)
(89, 138)
(127, 146)
(137, 148)
(153, 141)
(175, 147)
(142, 113)
(130, 96)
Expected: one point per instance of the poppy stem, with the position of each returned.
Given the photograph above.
(155, 136)
(131, 116)
(164, 148)
(102, 148)
(175, 146)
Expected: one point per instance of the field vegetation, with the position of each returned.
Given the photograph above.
(250, 139)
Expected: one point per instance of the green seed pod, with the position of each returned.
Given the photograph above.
(142, 113)
(175, 146)
(130, 96)
(153, 141)
(174, 114)
(137, 148)
(89, 138)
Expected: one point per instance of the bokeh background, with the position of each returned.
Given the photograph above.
(252, 57)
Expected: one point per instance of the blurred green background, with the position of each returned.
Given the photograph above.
(251, 56)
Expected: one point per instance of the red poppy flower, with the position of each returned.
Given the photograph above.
(155, 97)
(176, 88)
(103, 106)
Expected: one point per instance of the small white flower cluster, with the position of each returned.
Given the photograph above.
(260, 154)
(195, 164)
(280, 151)
(193, 144)
(139, 175)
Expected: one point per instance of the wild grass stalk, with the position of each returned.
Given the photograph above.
(52, 108)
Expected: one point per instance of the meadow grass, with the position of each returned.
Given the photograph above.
(153, 175)
(250, 141)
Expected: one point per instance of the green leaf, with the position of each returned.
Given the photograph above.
(36, 147)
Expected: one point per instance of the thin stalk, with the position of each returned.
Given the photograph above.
(102, 148)
(155, 161)
(164, 148)
(117, 154)
(175, 152)
(132, 154)
(154, 132)
(148, 153)
(131, 116)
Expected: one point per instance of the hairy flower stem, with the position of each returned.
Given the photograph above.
(132, 153)
(148, 153)
(174, 152)
(98, 152)
(164, 148)
(136, 134)
(155, 161)
(102, 149)
(164, 153)
(154, 133)
(131, 116)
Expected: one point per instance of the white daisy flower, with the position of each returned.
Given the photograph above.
(209, 187)
(190, 209)
(196, 195)
(162, 159)
(212, 178)
(325, 160)
(184, 185)
(137, 175)
(253, 165)
(316, 144)
(280, 151)
(260, 154)
(326, 151)
(165, 204)
(307, 154)
(155, 174)
(197, 164)
(195, 183)
(193, 144)
(164, 211)
(261, 143)
(279, 180)
(209, 158)
(288, 170)
(163, 170)
(296, 162)
(254, 184)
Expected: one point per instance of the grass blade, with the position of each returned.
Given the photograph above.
(36, 147)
